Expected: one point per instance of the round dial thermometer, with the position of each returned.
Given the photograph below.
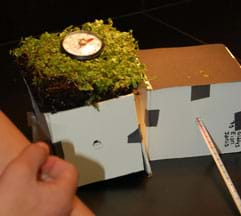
(82, 45)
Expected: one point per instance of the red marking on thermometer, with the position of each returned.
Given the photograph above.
(89, 40)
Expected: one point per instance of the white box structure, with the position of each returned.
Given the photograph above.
(103, 143)
(188, 82)
(183, 83)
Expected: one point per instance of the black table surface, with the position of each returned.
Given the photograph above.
(188, 186)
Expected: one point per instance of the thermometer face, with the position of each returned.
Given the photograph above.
(82, 45)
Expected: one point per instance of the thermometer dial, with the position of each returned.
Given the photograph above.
(82, 45)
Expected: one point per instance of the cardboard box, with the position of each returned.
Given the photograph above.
(184, 83)
(102, 144)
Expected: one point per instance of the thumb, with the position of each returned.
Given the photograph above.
(30, 160)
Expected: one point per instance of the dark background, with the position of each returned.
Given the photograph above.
(190, 186)
(27, 17)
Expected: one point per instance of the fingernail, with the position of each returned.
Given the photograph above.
(45, 177)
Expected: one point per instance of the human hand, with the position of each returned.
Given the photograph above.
(25, 190)
(12, 144)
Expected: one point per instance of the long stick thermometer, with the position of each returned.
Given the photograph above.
(214, 152)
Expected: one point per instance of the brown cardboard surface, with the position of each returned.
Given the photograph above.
(190, 66)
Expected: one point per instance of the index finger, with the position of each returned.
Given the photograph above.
(29, 162)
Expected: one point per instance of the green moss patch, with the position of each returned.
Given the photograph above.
(52, 74)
